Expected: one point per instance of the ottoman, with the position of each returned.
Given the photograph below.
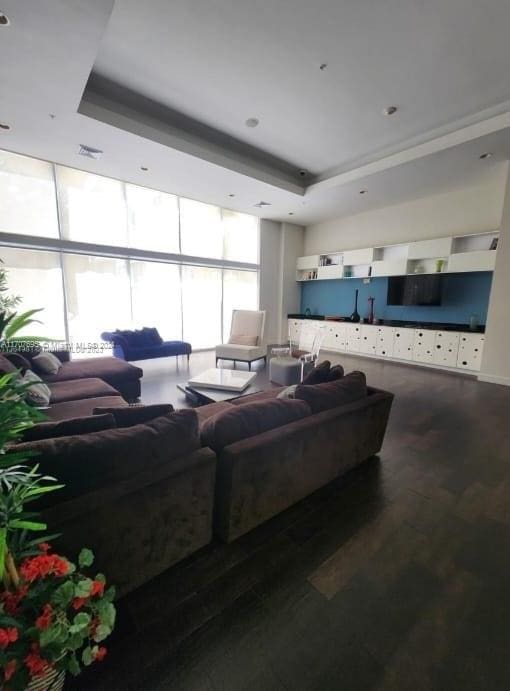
(287, 370)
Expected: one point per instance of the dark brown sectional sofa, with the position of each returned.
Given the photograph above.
(146, 487)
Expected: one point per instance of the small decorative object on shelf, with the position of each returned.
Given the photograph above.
(371, 315)
(440, 265)
(473, 322)
(494, 244)
(355, 315)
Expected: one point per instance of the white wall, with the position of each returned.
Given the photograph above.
(496, 353)
(461, 211)
(280, 246)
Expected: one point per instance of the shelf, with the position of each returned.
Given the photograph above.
(331, 271)
(389, 267)
(483, 260)
(430, 249)
(426, 266)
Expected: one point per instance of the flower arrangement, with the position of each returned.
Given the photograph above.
(53, 617)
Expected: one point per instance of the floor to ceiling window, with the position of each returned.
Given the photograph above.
(174, 263)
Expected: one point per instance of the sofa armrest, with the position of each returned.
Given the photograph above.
(62, 355)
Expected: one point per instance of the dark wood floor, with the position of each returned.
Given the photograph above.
(396, 577)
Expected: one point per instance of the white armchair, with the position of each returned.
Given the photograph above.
(245, 343)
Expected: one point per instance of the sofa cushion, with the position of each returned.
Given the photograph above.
(318, 374)
(109, 369)
(18, 361)
(333, 394)
(38, 393)
(135, 414)
(241, 422)
(336, 372)
(77, 425)
(46, 363)
(204, 412)
(6, 366)
(83, 408)
(86, 461)
(78, 389)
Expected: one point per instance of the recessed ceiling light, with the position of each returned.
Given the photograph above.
(4, 19)
(323, 66)
(487, 154)
(303, 172)
(252, 122)
(291, 213)
(4, 126)
(261, 204)
(363, 191)
(231, 195)
(390, 110)
(52, 116)
(144, 168)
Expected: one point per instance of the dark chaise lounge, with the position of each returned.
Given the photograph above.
(144, 344)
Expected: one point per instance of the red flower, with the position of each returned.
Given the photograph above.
(42, 566)
(11, 600)
(100, 654)
(9, 669)
(35, 663)
(7, 636)
(44, 620)
(44, 547)
(97, 588)
(78, 602)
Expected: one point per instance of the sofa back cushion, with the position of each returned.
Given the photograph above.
(241, 422)
(6, 366)
(65, 428)
(87, 461)
(332, 394)
(127, 416)
(318, 374)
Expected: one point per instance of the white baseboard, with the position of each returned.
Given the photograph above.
(494, 379)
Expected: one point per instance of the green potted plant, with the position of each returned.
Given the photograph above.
(54, 616)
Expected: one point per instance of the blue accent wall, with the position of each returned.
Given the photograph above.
(462, 296)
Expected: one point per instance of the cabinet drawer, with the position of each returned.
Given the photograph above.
(446, 348)
(470, 351)
(385, 340)
(403, 344)
(423, 345)
(368, 339)
(352, 337)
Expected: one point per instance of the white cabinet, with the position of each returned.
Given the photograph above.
(331, 271)
(294, 329)
(403, 344)
(385, 340)
(352, 337)
(482, 260)
(334, 337)
(446, 348)
(430, 249)
(309, 262)
(423, 345)
(363, 256)
(470, 351)
(368, 339)
(390, 267)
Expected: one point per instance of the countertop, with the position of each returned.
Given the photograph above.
(435, 326)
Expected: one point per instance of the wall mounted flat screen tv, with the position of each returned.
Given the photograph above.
(414, 290)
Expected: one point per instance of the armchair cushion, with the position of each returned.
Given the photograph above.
(242, 339)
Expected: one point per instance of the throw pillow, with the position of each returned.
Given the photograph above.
(241, 339)
(288, 392)
(37, 393)
(47, 363)
(241, 422)
(336, 372)
(18, 361)
(319, 374)
(66, 428)
(135, 414)
(335, 393)
(6, 366)
(152, 336)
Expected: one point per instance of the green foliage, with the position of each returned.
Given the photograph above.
(8, 303)
(85, 558)
(15, 413)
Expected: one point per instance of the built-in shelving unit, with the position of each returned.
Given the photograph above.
(454, 254)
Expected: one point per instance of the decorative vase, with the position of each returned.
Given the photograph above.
(371, 315)
(355, 315)
(52, 680)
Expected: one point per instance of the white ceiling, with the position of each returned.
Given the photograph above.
(207, 66)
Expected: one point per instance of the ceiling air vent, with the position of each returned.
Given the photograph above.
(261, 204)
(90, 152)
